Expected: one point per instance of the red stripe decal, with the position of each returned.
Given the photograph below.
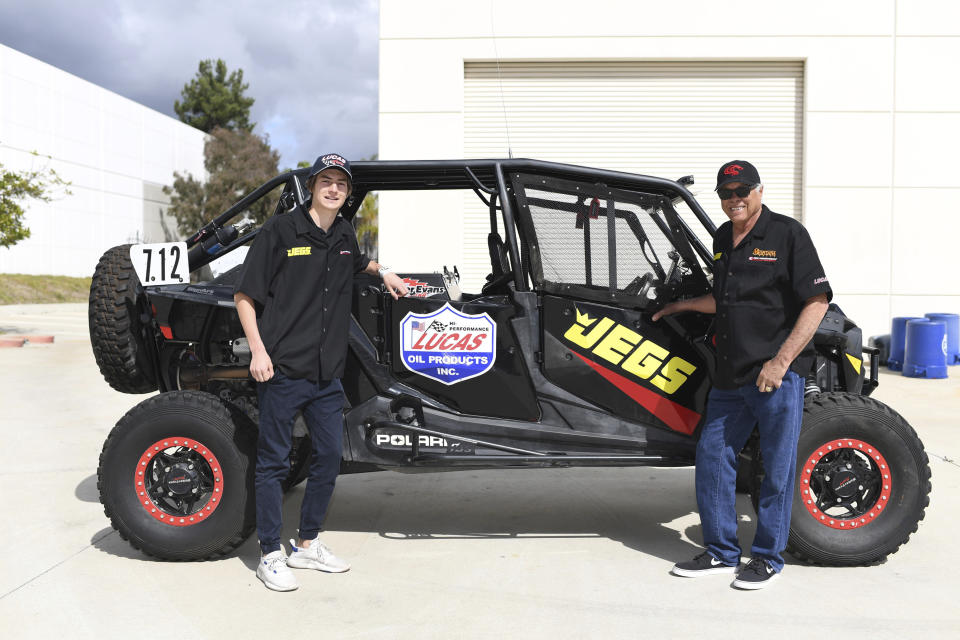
(167, 332)
(675, 416)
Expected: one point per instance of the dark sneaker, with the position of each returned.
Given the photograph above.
(703, 565)
(755, 575)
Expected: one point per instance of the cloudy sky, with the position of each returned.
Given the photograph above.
(311, 64)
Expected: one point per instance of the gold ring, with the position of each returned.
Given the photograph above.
(766, 389)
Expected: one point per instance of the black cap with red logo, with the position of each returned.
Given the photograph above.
(331, 161)
(737, 171)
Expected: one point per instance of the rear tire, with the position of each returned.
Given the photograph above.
(149, 461)
(880, 478)
(120, 331)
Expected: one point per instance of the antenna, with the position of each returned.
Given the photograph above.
(503, 104)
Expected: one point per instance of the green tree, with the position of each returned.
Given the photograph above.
(215, 99)
(237, 162)
(366, 222)
(15, 188)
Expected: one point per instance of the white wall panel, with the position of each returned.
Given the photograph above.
(926, 74)
(615, 18)
(926, 150)
(853, 149)
(852, 228)
(846, 74)
(926, 226)
(928, 18)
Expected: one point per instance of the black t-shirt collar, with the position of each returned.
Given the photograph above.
(306, 226)
(759, 229)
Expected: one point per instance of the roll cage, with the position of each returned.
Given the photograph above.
(489, 179)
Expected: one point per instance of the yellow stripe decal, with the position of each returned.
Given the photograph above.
(855, 361)
(716, 256)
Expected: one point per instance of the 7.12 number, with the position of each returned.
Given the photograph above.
(160, 263)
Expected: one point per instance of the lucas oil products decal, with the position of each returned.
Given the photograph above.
(448, 345)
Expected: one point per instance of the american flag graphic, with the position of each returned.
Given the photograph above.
(418, 325)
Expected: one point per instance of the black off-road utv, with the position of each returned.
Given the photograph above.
(553, 363)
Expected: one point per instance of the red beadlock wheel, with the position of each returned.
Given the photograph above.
(179, 481)
(845, 484)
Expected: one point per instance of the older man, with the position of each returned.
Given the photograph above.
(293, 299)
(769, 294)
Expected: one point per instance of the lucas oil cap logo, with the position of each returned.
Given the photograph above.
(448, 345)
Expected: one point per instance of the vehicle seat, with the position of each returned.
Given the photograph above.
(499, 261)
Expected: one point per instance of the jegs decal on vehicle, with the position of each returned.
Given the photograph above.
(628, 350)
(448, 345)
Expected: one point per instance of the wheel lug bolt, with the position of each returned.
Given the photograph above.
(193, 490)
(170, 494)
(838, 499)
(860, 488)
(849, 466)
(166, 469)
(827, 478)
(190, 467)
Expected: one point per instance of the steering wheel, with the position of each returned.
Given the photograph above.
(499, 281)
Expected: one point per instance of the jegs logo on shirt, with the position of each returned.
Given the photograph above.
(298, 251)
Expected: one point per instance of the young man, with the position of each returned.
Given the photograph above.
(293, 299)
(770, 294)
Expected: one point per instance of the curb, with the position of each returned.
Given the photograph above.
(19, 341)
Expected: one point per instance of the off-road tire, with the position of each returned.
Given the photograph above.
(835, 422)
(119, 317)
(206, 425)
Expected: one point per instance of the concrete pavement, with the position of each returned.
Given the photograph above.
(564, 553)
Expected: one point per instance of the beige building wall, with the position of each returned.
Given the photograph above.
(881, 119)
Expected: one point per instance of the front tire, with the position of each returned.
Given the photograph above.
(176, 476)
(862, 482)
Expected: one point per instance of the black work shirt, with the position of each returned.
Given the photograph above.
(760, 287)
(301, 279)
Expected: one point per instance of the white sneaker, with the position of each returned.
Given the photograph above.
(316, 556)
(275, 573)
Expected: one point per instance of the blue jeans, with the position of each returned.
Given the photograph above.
(731, 417)
(322, 405)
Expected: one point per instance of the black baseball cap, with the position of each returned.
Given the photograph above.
(737, 171)
(331, 161)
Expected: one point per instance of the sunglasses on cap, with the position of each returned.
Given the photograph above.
(742, 191)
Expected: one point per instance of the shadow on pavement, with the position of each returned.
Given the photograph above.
(87, 490)
(636, 507)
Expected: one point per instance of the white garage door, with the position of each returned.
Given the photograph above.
(667, 119)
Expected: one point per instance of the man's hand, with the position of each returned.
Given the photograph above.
(771, 375)
(261, 366)
(669, 309)
(394, 285)
(703, 304)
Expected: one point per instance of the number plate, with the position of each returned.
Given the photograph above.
(160, 263)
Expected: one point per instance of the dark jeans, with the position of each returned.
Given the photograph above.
(322, 405)
(731, 416)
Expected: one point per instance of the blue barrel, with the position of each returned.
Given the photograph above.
(925, 352)
(898, 335)
(952, 321)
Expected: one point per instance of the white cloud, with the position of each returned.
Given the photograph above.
(311, 65)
